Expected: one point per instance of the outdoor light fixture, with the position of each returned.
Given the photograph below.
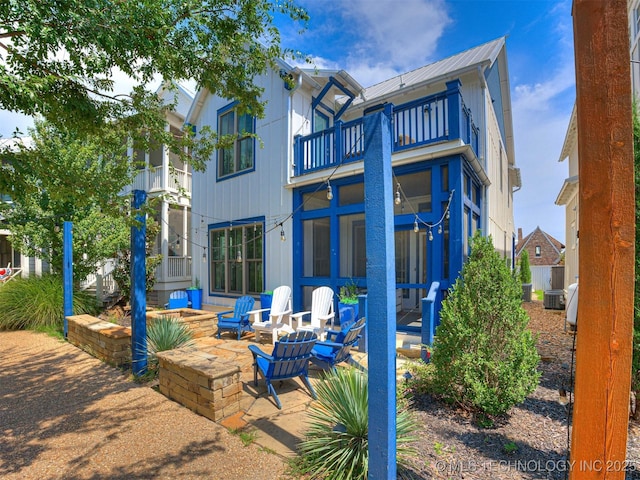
(446, 215)
(239, 257)
(440, 229)
(329, 191)
(204, 256)
(430, 235)
(398, 200)
(416, 228)
(282, 236)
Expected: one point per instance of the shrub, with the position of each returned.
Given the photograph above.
(336, 443)
(37, 303)
(525, 269)
(166, 333)
(484, 356)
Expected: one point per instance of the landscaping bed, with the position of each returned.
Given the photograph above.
(529, 442)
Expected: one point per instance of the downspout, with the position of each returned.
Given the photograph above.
(483, 149)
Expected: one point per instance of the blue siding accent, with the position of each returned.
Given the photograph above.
(381, 286)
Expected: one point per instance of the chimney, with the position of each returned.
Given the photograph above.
(519, 235)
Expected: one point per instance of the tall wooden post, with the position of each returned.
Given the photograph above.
(381, 303)
(607, 232)
(139, 286)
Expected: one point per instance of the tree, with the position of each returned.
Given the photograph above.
(59, 58)
(65, 178)
(484, 355)
(525, 269)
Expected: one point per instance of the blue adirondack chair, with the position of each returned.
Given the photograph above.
(178, 299)
(337, 348)
(239, 320)
(289, 359)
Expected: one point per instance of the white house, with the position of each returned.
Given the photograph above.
(288, 208)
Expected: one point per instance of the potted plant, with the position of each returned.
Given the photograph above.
(525, 276)
(265, 302)
(194, 293)
(348, 299)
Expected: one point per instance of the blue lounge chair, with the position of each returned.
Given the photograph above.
(337, 348)
(239, 320)
(177, 299)
(289, 359)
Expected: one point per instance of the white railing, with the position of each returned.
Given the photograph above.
(178, 268)
(152, 180)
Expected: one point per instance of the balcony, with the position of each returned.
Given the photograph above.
(429, 120)
(161, 179)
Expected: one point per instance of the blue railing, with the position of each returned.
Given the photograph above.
(428, 120)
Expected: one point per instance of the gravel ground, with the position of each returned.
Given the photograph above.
(453, 446)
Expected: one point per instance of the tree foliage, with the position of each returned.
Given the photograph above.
(525, 269)
(484, 355)
(62, 177)
(60, 58)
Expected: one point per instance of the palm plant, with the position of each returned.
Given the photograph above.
(166, 333)
(336, 443)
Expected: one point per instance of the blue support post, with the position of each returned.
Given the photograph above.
(67, 274)
(138, 287)
(381, 296)
(454, 109)
(429, 319)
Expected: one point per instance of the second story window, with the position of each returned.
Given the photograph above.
(240, 156)
(538, 251)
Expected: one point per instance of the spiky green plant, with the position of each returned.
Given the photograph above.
(336, 442)
(36, 303)
(166, 333)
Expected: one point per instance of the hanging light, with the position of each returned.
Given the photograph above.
(398, 200)
(416, 228)
(329, 191)
(440, 229)
(204, 256)
(446, 215)
(239, 257)
(430, 234)
(282, 236)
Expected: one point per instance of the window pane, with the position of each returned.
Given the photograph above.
(353, 252)
(245, 124)
(315, 200)
(402, 241)
(227, 164)
(317, 248)
(444, 175)
(227, 123)
(350, 194)
(416, 188)
(246, 153)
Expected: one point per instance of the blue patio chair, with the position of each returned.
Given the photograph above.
(239, 320)
(289, 359)
(177, 299)
(337, 350)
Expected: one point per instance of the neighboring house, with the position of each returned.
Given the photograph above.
(544, 252)
(289, 208)
(569, 193)
(162, 174)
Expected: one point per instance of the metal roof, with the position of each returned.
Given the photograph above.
(485, 53)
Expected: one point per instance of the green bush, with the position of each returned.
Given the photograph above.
(166, 333)
(336, 442)
(525, 269)
(36, 303)
(484, 356)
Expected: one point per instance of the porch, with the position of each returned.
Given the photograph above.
(439, 118)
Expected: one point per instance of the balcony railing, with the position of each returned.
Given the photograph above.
(428, 120)
(152, 180)
(178, 268)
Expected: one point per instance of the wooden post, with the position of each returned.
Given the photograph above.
(607, 232)
(381, 301)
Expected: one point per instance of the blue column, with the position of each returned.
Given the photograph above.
(454, 109)
(138, 286)
(67, 274)
(381, 326)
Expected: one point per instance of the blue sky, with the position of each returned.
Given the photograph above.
(376, 39)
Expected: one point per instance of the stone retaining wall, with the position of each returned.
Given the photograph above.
(109, 342)
(201, 382)
(201, 322)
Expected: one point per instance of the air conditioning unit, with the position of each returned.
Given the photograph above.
(554, 299)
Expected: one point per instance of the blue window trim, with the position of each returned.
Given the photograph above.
(239, 223)
(219, 178)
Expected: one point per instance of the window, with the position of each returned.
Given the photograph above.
(236, 259)
(239, 156)
(317, 247)
(538, 251)
(320, 121)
